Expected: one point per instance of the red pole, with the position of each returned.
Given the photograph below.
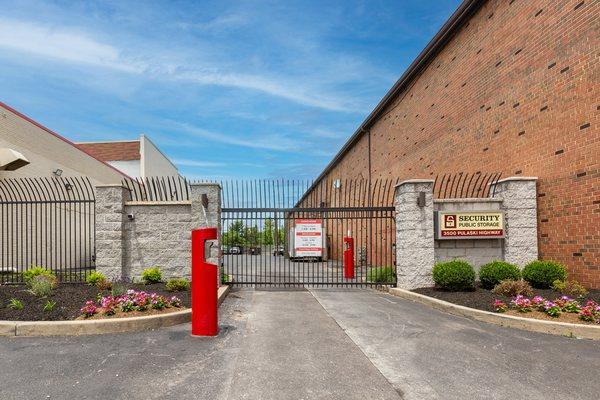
(204, 286)
(348, 257)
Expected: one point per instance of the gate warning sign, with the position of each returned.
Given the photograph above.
(470, 225)
(308, 238)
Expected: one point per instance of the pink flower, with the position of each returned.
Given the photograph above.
(537, 300)
(89, 309)
(500, 306)
(174, 302)
(521, 303)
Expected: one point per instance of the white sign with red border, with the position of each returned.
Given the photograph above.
(308, 240)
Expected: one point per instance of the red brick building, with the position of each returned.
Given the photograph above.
(507, 86)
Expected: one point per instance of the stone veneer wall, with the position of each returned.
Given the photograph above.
(415, 254)
(158, 235)
(417, 250)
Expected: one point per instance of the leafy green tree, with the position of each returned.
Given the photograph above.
(268, 231)
(252, 236)
(235, 235)
(238, 234)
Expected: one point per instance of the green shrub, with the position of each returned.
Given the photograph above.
(225, 278)
(49, 306)
(36, 271)
(42, 285)
(456, 275)
(510, 288)
(151, 275)
(94, 278)
(177, 285)
(381, 275)
(542, 274)
(495, 272)
(571, 288)
(15, 304)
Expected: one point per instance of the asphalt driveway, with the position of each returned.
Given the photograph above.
(427, 354)
(272, 345)
(320, 344)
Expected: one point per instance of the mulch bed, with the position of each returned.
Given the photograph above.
(483, 299)
(69, 299)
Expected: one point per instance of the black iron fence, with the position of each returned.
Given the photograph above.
(47, 222)
(157, 188)
(291, 233)
(464, 185)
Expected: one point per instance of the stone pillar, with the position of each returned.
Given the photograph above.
(414, 233)
(210, 216)
(110, 219)
(519, 195)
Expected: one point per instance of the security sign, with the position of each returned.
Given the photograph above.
(470, 225)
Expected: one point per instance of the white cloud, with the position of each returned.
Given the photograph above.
(219, 24)
(65, 45)
(195, 163)
(286, 90)
(75, 46)
(266, 141)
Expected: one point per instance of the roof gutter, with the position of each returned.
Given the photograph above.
(455, 22)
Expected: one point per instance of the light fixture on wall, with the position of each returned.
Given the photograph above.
(421, 199)
(57, 172)
(337, 184)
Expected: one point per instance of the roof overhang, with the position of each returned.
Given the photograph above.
(11, 160)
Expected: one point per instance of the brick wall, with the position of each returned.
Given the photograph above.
(515, 91)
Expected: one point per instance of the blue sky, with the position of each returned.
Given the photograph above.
(226, 89)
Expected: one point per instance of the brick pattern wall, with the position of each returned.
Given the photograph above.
(515, 91)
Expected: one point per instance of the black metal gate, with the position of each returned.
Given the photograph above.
(48, 222)
(264, 224)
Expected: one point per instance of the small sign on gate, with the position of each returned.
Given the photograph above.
(308, 238)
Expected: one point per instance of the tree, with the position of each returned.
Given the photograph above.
(267, 234)
(235, 235)
(252, 236)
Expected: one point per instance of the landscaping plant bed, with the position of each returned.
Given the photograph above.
(70, 298)
(483, 299)
(121, 314)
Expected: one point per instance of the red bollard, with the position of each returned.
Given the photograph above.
(204, 285)
(348, 257)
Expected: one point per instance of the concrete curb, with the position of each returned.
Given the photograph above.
(528, 324)
(99, 326)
